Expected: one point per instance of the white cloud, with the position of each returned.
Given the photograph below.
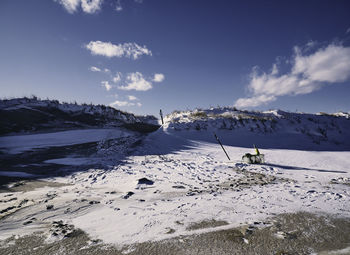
(88, 6)
(117, 78)
(95, 69)
(121, 103)
(70, 5)
(139, 104)
(135, 81)
(309, 73)
(347, 31)
(108, 49)
(106, 85)
(118, 6)
(254, 101)
(331, 64)
(158, 77)
(132, 98)
(91, 6)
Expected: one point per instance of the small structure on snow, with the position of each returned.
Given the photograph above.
(257, 158)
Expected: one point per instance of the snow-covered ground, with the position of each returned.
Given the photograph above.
(177, 178)
(20, 143)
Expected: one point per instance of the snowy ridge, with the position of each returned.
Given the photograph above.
(310, 129)
(32, 114)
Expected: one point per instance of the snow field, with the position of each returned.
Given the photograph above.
(189, 186)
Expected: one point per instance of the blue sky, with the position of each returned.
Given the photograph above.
(141, 56)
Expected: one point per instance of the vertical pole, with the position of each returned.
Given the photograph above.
(217, 138)
(161, 116)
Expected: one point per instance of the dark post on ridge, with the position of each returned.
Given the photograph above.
(161, 116)
(217, 138)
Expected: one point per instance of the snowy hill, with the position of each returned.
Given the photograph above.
(32, 114)
(270, 129)
(129, 190)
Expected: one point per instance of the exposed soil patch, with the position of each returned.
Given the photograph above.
(206, 224)
(341, 180)
(28, 185)
(248, 180)
(298, 233)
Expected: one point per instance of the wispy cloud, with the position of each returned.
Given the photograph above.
(95, 69)
(132, 98)
(118, 6)
(108, 49)
(117, 78)
(158, 77)
(91, 6)
(121, 103)
(70, 5)
(106, 85)
(88, 6)
(308, 73)
(124, 104)
(136, 81)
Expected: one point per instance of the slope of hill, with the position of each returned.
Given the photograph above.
(177, 184)
(32, 115)
(270, 129)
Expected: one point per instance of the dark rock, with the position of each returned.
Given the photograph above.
(7, 209)
(23, 202)
(145, 181)
(49, 207)
(27, 222)
(129, 194)
(179, 187)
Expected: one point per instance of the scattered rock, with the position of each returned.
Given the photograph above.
(93, 202)
(145, 181)
(7, 209)
(23, 202)
(170, 231)
(341, 180)
(178, 187)
(49, 207)
(61, 230)
(6, 201)
(27, 222)
(129, 194)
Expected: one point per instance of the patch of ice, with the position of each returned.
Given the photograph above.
(17, 174)
(71, 161)
(21, 143)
